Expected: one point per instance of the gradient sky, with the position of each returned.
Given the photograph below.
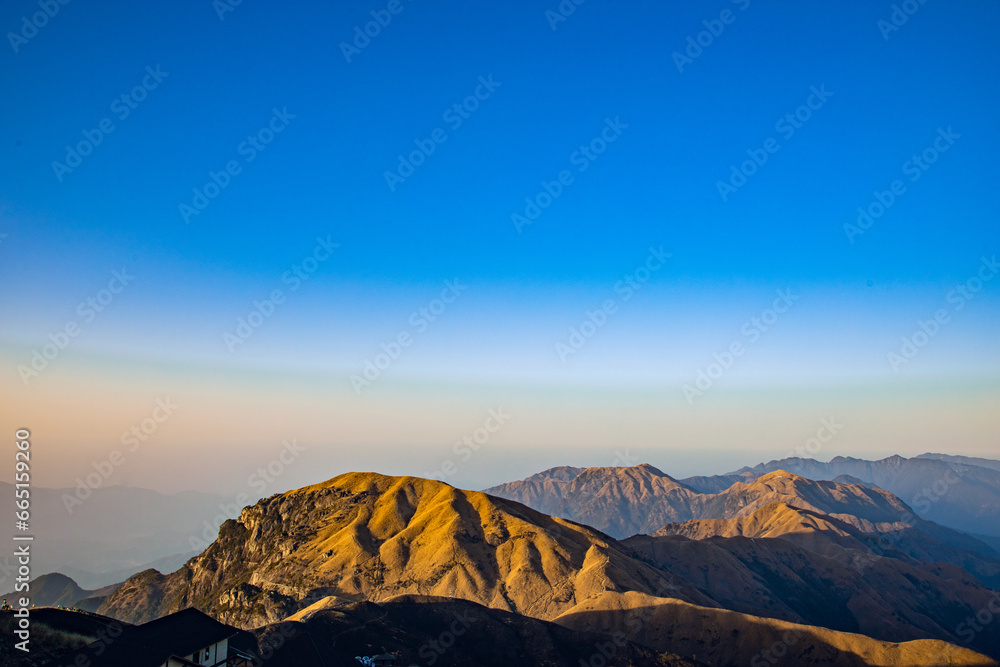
(495, 346)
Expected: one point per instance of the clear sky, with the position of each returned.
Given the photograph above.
(689, 174)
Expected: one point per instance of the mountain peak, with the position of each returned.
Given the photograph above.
(781, 474)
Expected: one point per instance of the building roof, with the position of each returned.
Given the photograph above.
(149, 645)
(183, 632)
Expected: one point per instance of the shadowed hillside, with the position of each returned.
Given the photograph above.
(449, 633)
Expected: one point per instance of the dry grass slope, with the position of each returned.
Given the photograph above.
(721, 637)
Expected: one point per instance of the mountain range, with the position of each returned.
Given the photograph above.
(786, 557)
(955, 491)
(614, 566)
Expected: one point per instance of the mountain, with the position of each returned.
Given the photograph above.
(950, 491)
(369, 536)
(309, 554)
(796, 565)
(848, 479)
(618, 501)
(113, 529)
(716, 483)
(58, 590)
(873, 511)
(863, 505)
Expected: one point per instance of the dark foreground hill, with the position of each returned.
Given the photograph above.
(448, 633)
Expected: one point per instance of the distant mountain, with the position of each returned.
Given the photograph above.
(871, 510)
(641, 499)
(58, 590)
(715, 483)
(619, 501)
(963, 460)
(638, 500)
(953, 492)
(166, 565)
(865, 506)
(848, 479)
(307, 555)
(115, 528)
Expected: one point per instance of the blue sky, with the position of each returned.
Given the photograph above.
(555, 90)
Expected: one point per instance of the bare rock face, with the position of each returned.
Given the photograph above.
(252, 606)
